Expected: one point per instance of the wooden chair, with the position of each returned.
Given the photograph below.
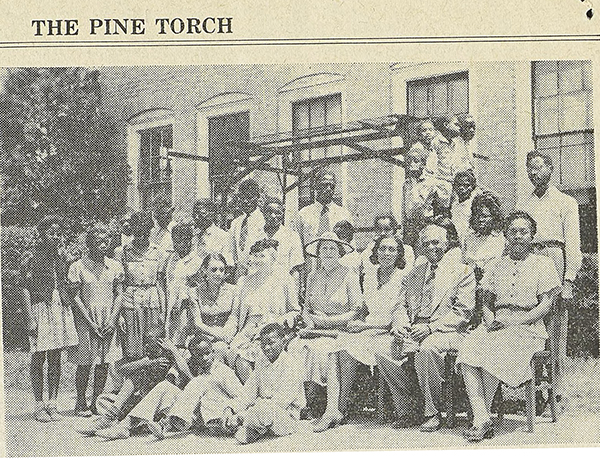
(543, 365)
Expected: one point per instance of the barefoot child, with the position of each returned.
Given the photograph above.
(50, 319)
(96, 286)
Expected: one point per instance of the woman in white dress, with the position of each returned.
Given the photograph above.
(266, 295)
(518, 290)
(382, 285)
(333, 299)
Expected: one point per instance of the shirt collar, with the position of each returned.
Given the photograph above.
(548, 193)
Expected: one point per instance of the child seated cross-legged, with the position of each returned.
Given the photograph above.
(273, 395)
(158, 402)
(140, 376)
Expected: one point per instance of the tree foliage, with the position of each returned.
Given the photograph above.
(58, 150)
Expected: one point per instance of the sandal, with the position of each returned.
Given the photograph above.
(478, 433)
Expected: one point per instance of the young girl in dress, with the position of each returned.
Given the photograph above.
(143, 297)
(50, 318)
(96, 286)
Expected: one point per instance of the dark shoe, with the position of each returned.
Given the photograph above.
(406, 421)
(431, 424)
(478, 433)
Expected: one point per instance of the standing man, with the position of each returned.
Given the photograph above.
(160, 234)
(321, 216)
(208, 237)
(290, 255)
(558, 236)
(439, 297)
(246, 228)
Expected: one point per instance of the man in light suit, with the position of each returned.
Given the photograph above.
(433, 311)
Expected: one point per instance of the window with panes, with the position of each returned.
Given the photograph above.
(311, 113)
(155, 168)
(562, 120)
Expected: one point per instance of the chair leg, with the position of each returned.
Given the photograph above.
(551, 395)
(500, 398)
(530, 404)
(449, 388)
(380, 397)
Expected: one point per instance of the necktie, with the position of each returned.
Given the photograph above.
(427, 296)
(244, 233)
(323, 221)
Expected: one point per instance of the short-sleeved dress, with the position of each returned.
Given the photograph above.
(381, 301)
(333, 293)
(44, 276)
(217, 312)
(506, 353)
(96, 290)
(260, 305)
(141, 301)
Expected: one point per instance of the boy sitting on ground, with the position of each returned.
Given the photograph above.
(140, 376)
(273, 395)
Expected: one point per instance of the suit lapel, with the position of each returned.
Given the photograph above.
(443, 284)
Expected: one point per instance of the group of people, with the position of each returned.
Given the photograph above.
(187, 325)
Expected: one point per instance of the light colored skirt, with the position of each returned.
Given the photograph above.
(505, 353)
(55, 326)
(363, 346)
(315, 354)
(93, 349)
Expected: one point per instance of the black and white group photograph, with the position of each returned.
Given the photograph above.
(298, 257)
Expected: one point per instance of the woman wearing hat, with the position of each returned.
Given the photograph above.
(266, 295)
(333, 299)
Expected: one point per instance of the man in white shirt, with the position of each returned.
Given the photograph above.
(558, 236)
(162, 214)
(210, 238)
(321, 216)
(290, 254)
(465, 189)
(247, 228)
(462, 143)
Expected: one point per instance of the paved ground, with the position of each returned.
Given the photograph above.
(26, 437)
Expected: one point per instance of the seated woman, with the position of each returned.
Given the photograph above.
(518, 290)
(266, 295)
(213, 306)
(484, 240)
(333, 299)
(372, 336)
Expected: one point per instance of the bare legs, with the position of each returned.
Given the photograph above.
(332, 415)
(81, 382)
(49, 412)
(481, 387)
(37, 375)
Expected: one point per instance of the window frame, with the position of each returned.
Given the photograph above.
(430, 80)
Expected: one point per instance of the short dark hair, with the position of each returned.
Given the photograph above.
(249, 187)
(183, 230)
(161, 203)
(197, 339)
(490, 201)
(47, 221)
(343, 226)
(93, 232)
(468, 174)
(319, 174)
(445, 223)
(263, 244)
(462, 118)
(272, 327)
(400, 262)
(537, 153)
(392, 218)
(143, 219)
(519, 214)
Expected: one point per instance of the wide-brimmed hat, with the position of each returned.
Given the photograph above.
(311, 248)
